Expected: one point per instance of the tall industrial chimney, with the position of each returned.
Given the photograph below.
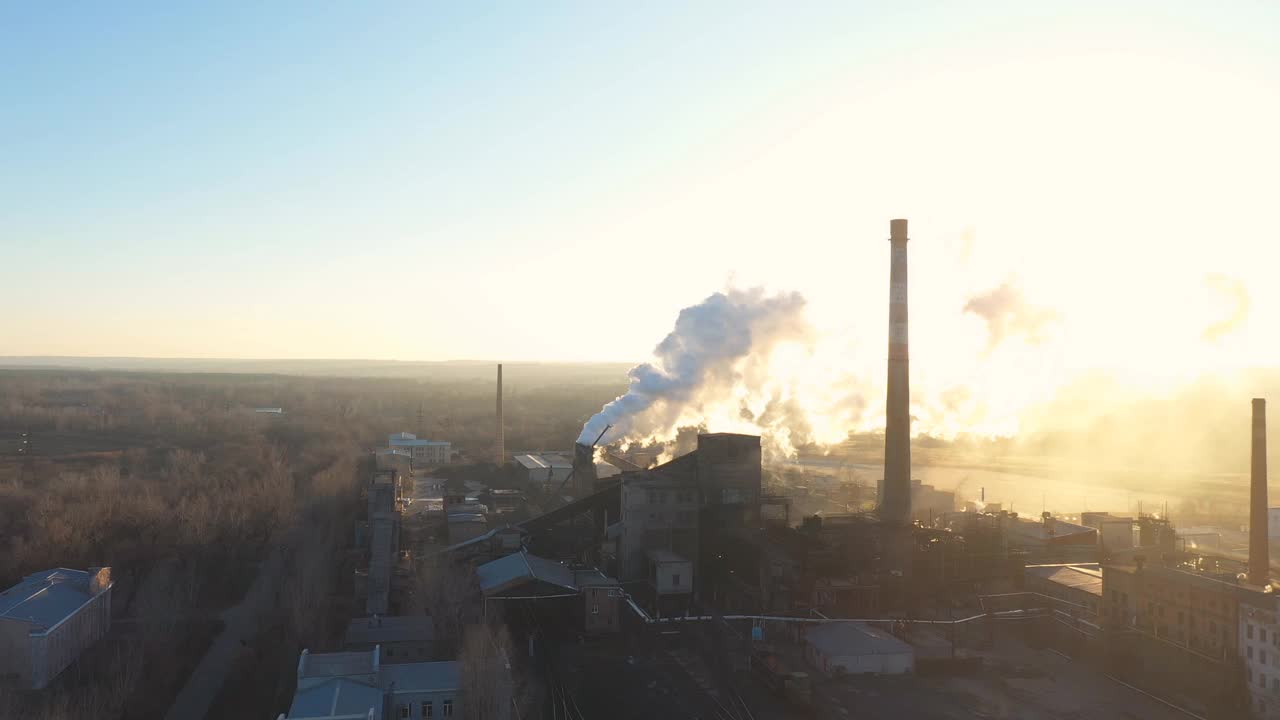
(499, 447)
(895, 493)
(1259, 555)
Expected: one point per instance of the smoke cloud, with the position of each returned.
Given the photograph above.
(1237, 295)
(1007, 314)
(739, 361)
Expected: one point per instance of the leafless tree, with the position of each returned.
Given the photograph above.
(487, 680)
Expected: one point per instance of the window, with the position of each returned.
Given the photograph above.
(1179, 617)
(446, 709)
(427, 709)
(404, 711)
(595, 607)
(1262, 656)
(675, 580)
(1262, 681)
(1249, 652)
(1248, 631)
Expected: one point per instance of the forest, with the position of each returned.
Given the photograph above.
(173, 481)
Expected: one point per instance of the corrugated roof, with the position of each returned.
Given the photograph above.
(1080, 577)
(505, 572)
(854, 638)
(46, 598)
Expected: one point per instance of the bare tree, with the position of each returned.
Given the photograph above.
(487, 682)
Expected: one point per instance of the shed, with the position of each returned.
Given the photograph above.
(857, 648)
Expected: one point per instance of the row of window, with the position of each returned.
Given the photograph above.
(428, 709)
(659, 497)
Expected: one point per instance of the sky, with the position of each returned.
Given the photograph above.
(1095, 182)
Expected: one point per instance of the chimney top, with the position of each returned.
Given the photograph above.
(1259, 403)
(898, 229)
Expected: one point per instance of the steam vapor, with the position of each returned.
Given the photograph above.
(718, 369)
(1007, 314)
(1238, 295)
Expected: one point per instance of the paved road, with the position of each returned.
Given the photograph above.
(239, 623)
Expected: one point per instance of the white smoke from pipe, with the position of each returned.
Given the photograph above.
(739, 361)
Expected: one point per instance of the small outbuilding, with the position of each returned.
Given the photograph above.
(856, 648)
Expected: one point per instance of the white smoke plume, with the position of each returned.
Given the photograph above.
(1236, 295)
(739, 361)
(1007, 314)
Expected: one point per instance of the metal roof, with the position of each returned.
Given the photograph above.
(506, 572)
(46, 598)
(854, 638)
(421, 677)
(1080, 577)
(543, 462)
(336, 698)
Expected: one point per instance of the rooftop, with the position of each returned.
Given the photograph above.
(421, 677)
(1086, 577)
(396, 628)
(404, 439)
(46, 598)
(336, 698)
(543, 462)
(507, 572)
(664, 556)
(337, 664)
(854, 638)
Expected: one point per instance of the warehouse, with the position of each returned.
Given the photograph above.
(855, 648)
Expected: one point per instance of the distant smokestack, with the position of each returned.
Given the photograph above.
(1259, 555)
(500, 448)
(895, 494)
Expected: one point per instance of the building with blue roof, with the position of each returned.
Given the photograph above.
(361, 686)
(48, 619)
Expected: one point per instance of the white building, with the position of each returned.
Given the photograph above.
(1260, 650)
(547, 470)
(424, 452)
(48, 619)
(856, 648)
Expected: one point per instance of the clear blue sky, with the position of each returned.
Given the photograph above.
(432, 181)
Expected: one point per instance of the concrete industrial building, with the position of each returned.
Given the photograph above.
(1077, 588)
(362, 686)
(854, 648)
(1259, 642)
(659, 512)
(48, 619)
(424, 452)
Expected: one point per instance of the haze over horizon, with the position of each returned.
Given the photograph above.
(1089, 189)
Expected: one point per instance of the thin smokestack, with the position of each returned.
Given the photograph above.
(500, 449)
(895, 494)
(1259, 553)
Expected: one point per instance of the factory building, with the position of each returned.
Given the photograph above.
(545, 470)
(854, 648)
(659, 512)
(363, 686)
(1259, 642)
(424, 452)
(48, 619)
(1076, 588)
